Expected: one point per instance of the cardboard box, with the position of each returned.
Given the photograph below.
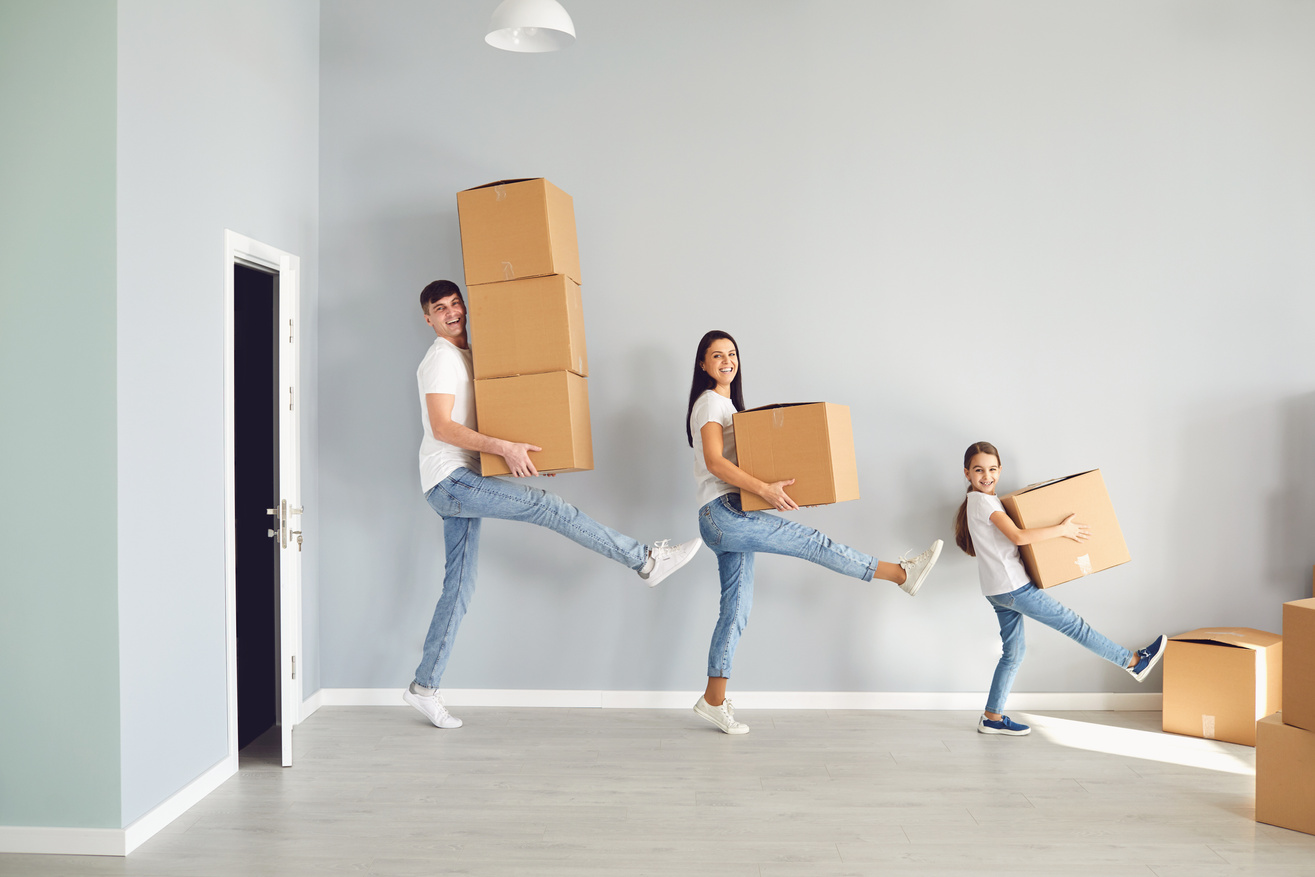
(550, 410)
(813, 443)
(1219, 681)
(517, 228)
(1299, 664)
(1285, 764)
(1056, 561)
(528, 327)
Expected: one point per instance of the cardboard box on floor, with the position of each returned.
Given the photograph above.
(812, 442)
(517, 228)
(1219, 681)
(526, 327)
(1056, 561)
(1299, 664)
(549, 410)
(1285, 764)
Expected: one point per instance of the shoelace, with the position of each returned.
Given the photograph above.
(729, 710)
(661, 550)
(904, 558)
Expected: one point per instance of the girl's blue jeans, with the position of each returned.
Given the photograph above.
(462, 499)
(1036, 604)
(734, 535)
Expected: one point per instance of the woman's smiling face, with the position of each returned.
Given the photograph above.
(722, 363)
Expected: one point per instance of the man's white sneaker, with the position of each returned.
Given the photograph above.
(722, 716)
(668, 558)
(432, 706)
(916, 568)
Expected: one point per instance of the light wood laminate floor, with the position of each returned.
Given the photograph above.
(376, 790)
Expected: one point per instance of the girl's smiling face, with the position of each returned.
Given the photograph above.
(982, 473)
(722, 363)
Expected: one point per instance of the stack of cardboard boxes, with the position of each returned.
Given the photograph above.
(527, 320)
(1285, 741)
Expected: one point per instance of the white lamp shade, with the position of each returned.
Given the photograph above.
(530, 26)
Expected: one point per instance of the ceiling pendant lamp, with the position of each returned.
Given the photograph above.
(530, 26)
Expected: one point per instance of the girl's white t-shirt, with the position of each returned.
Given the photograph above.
(712, 407)
(999, 568)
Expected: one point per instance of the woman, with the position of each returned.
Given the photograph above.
(734, 535)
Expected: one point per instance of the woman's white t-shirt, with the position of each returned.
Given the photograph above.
(999, 568)
(712, 407)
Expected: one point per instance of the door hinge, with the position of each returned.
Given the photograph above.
(289, 331)
(289, 398)
(294, 666)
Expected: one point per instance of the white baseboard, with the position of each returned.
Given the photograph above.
(311, 704)
(784, 700)
(62, 841)
(114, 841)
(177, 804)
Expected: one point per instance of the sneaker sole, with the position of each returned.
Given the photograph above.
(743, 729)
(913, 589)
(1003, 732)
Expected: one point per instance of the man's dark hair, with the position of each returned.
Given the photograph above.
(439, 289)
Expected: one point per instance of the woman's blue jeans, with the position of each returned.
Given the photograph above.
(1036, 604)
(734, 535)
(462, 499)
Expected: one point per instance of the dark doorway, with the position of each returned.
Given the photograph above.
(256, 481)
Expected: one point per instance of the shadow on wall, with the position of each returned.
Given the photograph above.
(1290, 515)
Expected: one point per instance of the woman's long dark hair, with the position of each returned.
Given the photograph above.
(704, 381)
(962, 537)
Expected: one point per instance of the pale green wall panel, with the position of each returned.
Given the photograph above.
(59, 680)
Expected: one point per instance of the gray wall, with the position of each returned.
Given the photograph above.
(59, 638)
(218, 128)
(1080, 231)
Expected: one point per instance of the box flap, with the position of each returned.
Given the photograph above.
(1051, 481)
(1237, 637)
(780, 405)
(502, 183)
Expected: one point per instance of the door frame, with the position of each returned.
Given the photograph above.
(240, 249)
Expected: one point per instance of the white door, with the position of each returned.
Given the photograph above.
(291, 537)
(241, 249)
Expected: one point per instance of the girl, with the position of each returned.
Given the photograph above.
(734, 534)
(983, 530)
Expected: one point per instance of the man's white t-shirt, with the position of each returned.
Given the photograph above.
(709, 408)
(999, 568)
(445, 369)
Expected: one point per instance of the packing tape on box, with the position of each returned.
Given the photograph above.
(500, 193)
(509, 273)
(1208, 727)
(1084, 564)
(778, 417)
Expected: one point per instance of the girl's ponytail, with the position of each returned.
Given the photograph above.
(962, 537)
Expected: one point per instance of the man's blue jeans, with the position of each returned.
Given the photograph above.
(1036, 604)
(462, 499)
(734, 535)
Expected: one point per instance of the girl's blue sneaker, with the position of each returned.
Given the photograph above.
(1147, 658)
(1006, 725)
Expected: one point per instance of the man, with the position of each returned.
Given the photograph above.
(449, 467)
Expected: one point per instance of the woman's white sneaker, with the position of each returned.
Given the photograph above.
(722, 716)
(916, 568)
(431, 705)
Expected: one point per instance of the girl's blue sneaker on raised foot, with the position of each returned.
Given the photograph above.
(1006, 725)
(1147, 658)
